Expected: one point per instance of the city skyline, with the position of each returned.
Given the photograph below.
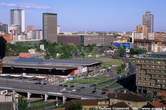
(102, 16)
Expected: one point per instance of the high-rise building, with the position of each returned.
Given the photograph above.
(148, 20)
(50, 27)
(18, 18)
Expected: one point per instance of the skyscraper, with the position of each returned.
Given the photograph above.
(50, 27)
(18, 18)
(148, 20)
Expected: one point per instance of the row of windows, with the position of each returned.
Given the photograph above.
(153, 66)
(149, 72)
(159, 62)
(152, 85)
(150, 77)
(152, 73)
(161, 81)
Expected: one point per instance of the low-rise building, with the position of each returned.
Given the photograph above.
(106, 104)
(85, 40)
(95, 104)
(153, 42)
(131, 99)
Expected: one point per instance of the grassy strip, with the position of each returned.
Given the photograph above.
(108, 62)
(100, 81)
(91, 80)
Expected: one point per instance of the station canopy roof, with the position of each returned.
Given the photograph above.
(50, 62)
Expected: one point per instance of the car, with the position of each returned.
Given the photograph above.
(72, 86)
(41, 82)
(94, 91)
(93, 85)
(65, 85)
(74, 90)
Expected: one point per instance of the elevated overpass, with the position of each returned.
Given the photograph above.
(46, 90)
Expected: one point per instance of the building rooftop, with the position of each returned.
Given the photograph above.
(127, 96)
(121, 105)
(53, 62)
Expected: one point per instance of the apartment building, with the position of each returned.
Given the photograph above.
(151, 73)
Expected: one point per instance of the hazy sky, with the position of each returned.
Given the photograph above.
(89, 15)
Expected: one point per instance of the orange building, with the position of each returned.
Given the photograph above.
(25, 55)
(142, 29)
(139, 29)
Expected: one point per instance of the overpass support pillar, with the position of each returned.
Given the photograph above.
(45, 97)
(57, 101)
(28, 95)
(14, 100)
(64, 99)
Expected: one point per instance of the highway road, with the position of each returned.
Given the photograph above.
(22, 86)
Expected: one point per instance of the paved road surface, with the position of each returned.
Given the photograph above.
(21, 86)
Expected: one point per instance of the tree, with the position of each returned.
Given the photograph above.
(52, 50)
(149, 97)
(121, 51)
(73, 105)
(22, 104)
(121, 68)
(136, 51)
(18, 47)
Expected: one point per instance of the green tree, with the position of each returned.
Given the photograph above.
(52, 50)
(73, 105)
(18, 47)
(149, 97)
(121, 51)
(136, 51)
(22, 104)
(121, 68)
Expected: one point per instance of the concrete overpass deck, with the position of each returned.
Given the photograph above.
(49, 90)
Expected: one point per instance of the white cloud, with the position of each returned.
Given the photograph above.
(25, 5)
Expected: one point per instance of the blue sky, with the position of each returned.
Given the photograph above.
(90, 15)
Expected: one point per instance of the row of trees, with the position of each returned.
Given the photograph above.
(57, 50)
(16, 48)
(52, 50)
(23, 104)
(136, 51)
(121, 51)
